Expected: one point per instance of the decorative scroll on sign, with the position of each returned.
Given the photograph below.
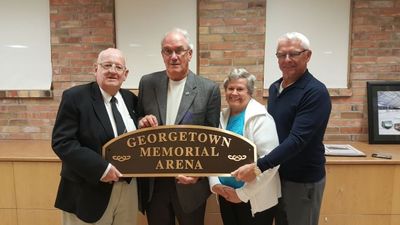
(179, 149)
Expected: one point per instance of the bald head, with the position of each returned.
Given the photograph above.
(111, 52)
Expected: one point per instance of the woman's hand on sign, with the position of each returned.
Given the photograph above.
(231, 195)
(148, 121)
(219, 190)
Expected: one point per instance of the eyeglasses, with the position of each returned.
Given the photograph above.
(117, 67)
(178, 51)
(291, 55)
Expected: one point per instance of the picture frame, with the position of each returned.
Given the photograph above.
(383, 112)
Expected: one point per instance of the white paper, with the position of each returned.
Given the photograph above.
(342, 150)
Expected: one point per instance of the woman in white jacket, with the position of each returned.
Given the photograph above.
(247, 203)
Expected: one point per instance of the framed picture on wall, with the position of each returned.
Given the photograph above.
(383, 112)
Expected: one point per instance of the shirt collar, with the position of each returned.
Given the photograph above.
(107, 97)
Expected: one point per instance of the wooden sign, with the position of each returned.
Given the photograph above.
(178, 149)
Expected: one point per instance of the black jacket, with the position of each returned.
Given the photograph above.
(81, 128)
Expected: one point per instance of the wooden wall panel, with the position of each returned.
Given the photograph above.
(341, 219)
(36, 184)
(39, 217)
(7, 191)
(396, 192)
(359, 189)
(8, 216)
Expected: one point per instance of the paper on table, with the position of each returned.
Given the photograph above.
(342, 150)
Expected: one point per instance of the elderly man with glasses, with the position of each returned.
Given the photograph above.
(176, 96)
(90, 115)
(301, 106)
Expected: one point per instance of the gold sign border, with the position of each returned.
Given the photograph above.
(178, 127)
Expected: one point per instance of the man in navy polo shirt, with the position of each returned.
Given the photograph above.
(300, 106)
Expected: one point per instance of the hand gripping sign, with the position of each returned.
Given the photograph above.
(178, 150)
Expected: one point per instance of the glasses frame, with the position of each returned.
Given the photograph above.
(291, 55)
(113, 66)
(178, 52)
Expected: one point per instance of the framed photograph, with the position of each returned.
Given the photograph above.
(383, 112)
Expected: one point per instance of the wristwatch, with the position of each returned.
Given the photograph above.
(257, 170)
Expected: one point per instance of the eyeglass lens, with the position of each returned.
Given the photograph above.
(117, 67)
(178, 51)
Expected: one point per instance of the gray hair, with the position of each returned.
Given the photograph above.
(184, 33)
(296, 36)
(237, 73)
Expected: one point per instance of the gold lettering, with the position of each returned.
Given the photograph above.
(162, 137)
(214, 139)
(182, 136)
(213, 153)
(189, 164)
(142, 140)
(202, 137)
(131, 142)
(189, 151)
(198, 165)
(179, 151)
(226, 141)
(152, 138)
(179, 164)
(170, 164)
(145, 152)
(159, 165)
(172, 136)
(156, 151)
(204, 152)
(192, 134)
(167, 151)
(198, 149)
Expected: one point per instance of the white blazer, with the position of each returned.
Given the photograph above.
(259, 127)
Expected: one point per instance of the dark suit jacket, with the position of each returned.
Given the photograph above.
(200, 105)
(81, 129)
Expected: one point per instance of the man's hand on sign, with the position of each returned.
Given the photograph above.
(148, 121)
(182, 179)
(246, 173)
(112, 175)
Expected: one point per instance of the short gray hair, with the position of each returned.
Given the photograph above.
(184, 33)
(296, 36)
(237, 73)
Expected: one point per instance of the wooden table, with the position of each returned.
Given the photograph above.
(363, 190)
(359, 190)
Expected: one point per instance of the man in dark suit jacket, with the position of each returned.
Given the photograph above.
(176, 96)
(90, 186)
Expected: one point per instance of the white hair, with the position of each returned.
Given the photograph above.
(296, 36)
(237, 73)
(179, 31)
